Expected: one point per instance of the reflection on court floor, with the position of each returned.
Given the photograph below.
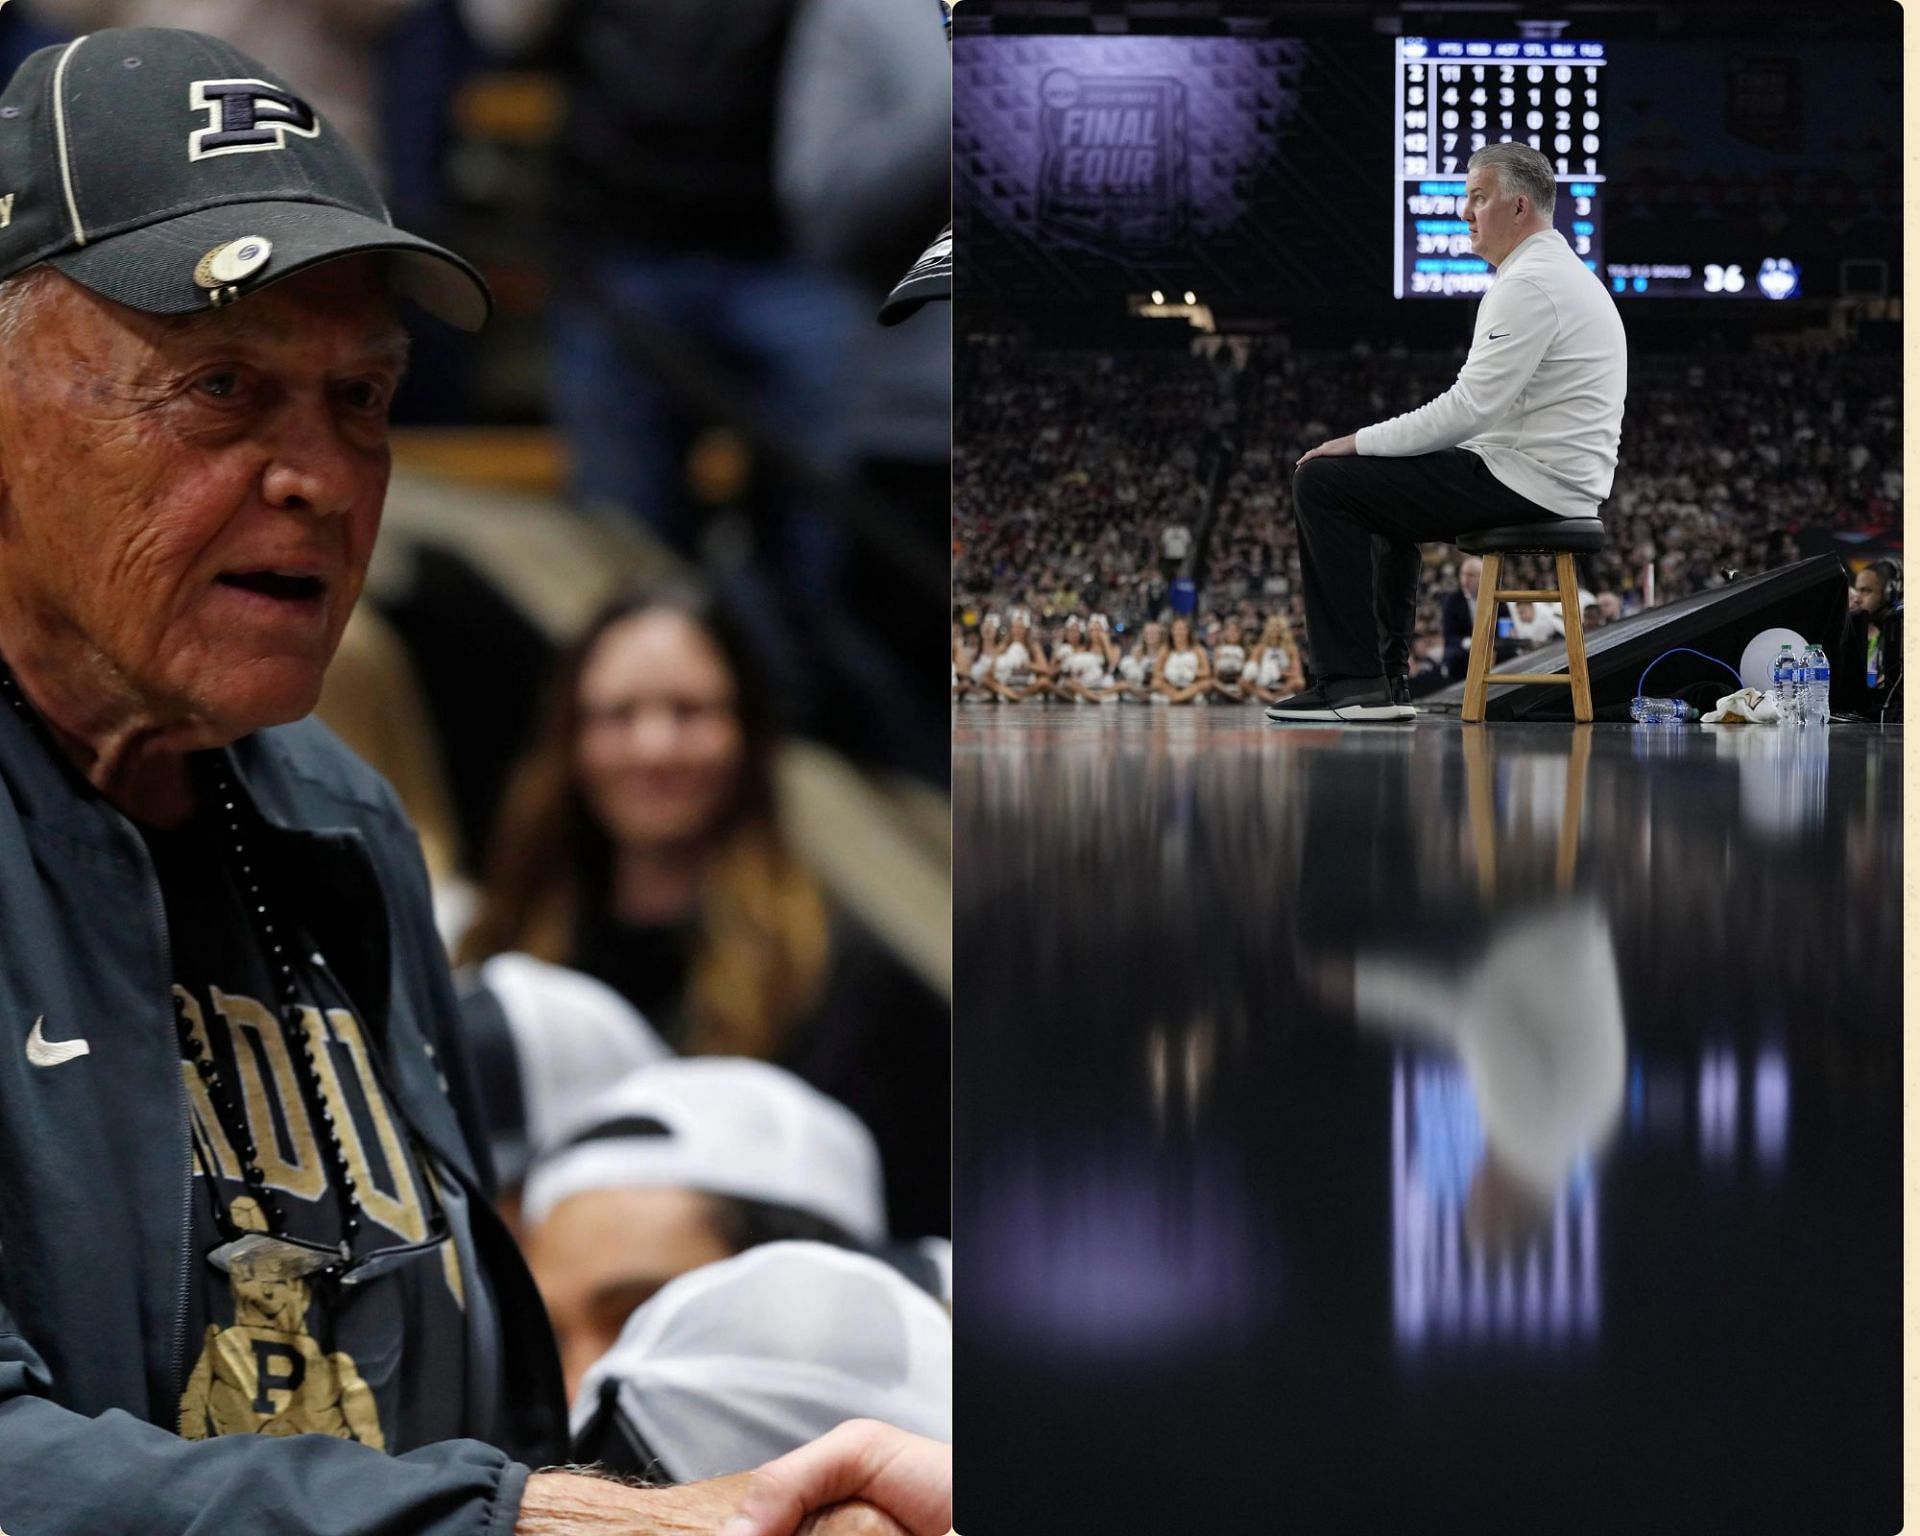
(1439, 1129)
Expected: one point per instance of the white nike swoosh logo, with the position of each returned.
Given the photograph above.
(43, 1052)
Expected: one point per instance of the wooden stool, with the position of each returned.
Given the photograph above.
(1563, 539)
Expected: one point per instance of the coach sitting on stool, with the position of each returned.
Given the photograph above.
(1530, 431)
(250, 1279)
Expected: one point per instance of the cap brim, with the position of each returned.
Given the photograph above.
(152, 268)
(929, 278)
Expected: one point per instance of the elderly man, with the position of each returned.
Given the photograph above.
(1530, 431)
(249, 1276)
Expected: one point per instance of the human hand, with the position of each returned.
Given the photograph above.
(1333, 448)
(570, 1504)
(907, 1476)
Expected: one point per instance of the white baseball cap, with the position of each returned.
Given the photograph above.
(724, 1125)
(738, 1362)
(545, 1040)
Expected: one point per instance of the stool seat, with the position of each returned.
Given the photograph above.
(1565, 535)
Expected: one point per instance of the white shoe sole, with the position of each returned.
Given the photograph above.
(1346, 714)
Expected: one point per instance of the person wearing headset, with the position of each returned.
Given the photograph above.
(1866, 678)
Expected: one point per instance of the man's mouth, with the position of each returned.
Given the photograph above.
(288, 586)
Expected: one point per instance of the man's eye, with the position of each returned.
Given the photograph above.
(363, 395)
(222, 385)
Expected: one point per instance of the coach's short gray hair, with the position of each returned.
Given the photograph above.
(1523, 172)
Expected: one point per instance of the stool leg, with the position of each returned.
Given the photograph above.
(1576, 639)
(1480, 658)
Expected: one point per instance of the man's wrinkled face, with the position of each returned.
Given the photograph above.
(188, 505)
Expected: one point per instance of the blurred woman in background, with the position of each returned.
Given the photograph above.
(1181, 671)
(1277, 673)
(1021, 668)
(640, 842)
(1230, 663)
(1137, 666)
(964, 650)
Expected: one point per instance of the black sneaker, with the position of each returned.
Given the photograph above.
(1364, 701)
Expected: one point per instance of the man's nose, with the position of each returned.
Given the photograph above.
(313, 469)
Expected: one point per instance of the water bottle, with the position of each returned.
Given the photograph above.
(1819, 681)
(1784, 668)
(1650, 711)
(1802, 686)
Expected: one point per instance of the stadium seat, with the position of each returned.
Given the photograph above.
(1563, 540)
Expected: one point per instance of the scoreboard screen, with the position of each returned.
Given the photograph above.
(1452, 98)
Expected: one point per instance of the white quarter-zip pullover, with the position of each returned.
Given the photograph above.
(1543, 389)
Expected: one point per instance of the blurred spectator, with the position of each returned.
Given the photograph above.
(1182, 670)
(372, 699)
(743, 1360)
(328, 46)
(683, 1164)
(1230, 663)
(1537, 623)
(862, 172)
(1138, 667)
(1868, 668)
(1175, 540)
(674, 277)
(543, 1041)
(1020, 667)
(1278, 666)
(1457, 611)
(640, 842)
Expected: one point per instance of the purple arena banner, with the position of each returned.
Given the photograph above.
(1089, 165)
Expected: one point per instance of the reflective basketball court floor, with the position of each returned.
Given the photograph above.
(1442, 1129)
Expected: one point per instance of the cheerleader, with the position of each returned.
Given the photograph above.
(1021, 669)
(962, 653)
(1103, 684)
(1071, 642)
(1085, 674)
(1181, 673)
(1230, 664)
(1276, 672)
(993, 641)
(1137, 666)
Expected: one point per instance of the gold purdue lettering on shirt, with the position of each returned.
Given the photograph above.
(266, 1374)
(398, 1209)
(269, 1077)
(297, 1168)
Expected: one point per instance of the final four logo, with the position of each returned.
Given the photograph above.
(1114, 167)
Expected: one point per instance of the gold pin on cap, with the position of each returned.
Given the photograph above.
(234, 262)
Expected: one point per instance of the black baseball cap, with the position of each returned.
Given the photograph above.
(929, 278)
(169, 172)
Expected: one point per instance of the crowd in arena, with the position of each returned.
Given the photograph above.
(1726, 461)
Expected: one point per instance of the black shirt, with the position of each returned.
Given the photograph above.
(380, 1356)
